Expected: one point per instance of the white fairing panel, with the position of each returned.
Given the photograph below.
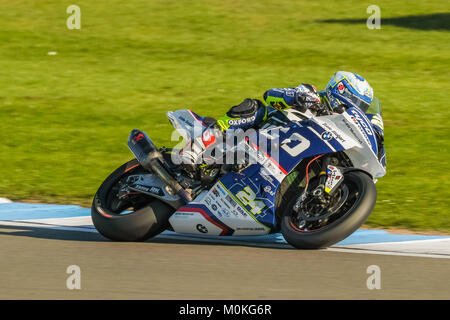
(193, 223)
(186, 123)
(220, 206)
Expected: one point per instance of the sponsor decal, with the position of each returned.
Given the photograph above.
(208, 138)
(180, 213)
(334, 133)
(226, 204)
(151, 189)
(366, 137)
(231, 200)
(237, 122)
(334, 176)
(327, 135)
(269, 190)
(277, 105)
(350, 128)
(241, 211)
(268, 169)
(221, 190)
(360, 122)
(138, 137)
(225, 212)
(266, 175)
(268, 164)
(201, 228)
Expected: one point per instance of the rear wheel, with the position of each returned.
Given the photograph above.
(122, 215)
(349, 208)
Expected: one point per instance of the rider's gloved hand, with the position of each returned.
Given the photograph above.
(306, 97)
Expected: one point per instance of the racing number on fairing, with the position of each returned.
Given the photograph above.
(299, 148)
(247, 196)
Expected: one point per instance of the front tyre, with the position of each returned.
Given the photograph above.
(356, 210)
(135, 217)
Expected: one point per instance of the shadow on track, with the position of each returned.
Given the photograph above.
(434, 21)
(48, 233)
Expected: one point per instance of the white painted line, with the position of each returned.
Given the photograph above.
(47, 226)
(82, 221)
(429, 247)
(387, 253)
(407, 241)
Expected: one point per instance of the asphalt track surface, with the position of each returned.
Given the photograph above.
(34, 261)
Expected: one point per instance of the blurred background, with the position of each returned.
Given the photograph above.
(66, 116)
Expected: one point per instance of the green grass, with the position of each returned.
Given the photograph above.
(65, 118)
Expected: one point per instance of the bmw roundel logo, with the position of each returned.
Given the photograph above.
(201, 228)
(327, 135)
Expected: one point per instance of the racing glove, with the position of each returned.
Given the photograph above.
(301, 98)
(306, 97)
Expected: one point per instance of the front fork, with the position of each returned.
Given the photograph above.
(319, 190)
(330, 177)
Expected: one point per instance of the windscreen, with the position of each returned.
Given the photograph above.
(375, 107)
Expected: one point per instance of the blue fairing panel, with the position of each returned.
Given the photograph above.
(297, 142)
(301, 141)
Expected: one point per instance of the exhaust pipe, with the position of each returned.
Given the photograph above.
(151, 159)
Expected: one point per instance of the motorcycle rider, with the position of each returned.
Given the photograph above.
(344, 90)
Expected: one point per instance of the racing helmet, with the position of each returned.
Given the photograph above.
(349, 89)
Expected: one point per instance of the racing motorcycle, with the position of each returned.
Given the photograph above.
(315, 183)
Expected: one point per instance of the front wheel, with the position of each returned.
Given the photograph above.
(121, 215)
(360, 197)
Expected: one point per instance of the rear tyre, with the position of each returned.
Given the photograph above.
(148, 216)
(355, 214)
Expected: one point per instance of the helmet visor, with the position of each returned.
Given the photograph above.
(354, 100)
